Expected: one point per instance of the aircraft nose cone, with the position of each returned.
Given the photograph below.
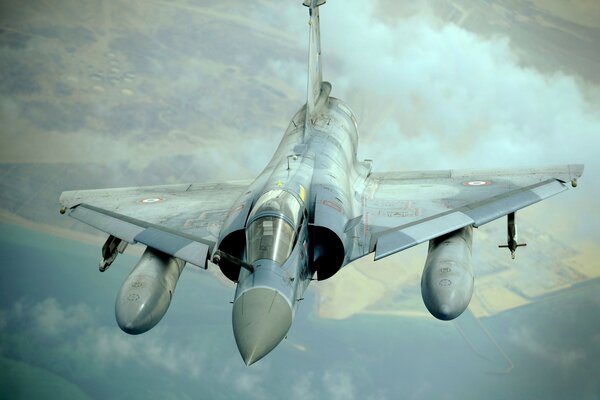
(261, 319)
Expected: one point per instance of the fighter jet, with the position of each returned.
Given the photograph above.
(314, 209)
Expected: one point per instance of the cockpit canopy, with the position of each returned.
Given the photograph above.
(273, 226)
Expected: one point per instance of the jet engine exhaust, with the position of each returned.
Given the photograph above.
(146, 293)
(447, 280)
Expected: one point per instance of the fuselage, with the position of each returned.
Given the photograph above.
(295, 225)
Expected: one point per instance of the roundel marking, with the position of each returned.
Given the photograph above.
(477, 183)
(133, 297)
(151, 200)
(445, 282)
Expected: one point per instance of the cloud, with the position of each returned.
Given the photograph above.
(338, 385)
(247, 382)
(335, 385)
(303, 388)
(77, 328)
(453, 98)
(108, 346)
(532, 343)
(52, 319)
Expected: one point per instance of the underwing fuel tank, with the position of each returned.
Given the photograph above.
(146, 293)
(447, 280)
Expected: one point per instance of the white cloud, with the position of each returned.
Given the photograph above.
(106, 345)
(250, 384)
(109, 346)
(173, 358)
(77, 329)
(447, 97)
(303, 388)
(531, 342)
(52, 319)
(338, 385)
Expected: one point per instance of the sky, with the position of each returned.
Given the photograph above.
(103, 94)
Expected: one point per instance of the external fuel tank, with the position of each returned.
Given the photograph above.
(146, 293)
(447, 280)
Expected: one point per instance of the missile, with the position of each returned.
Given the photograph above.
(447, 280)
(512, 239)
(146, 293)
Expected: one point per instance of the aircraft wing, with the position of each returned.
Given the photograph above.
(181, 220)
(402, 209)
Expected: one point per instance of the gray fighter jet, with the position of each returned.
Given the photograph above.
(314, 209)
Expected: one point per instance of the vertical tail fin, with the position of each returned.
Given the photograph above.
(318, 91)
